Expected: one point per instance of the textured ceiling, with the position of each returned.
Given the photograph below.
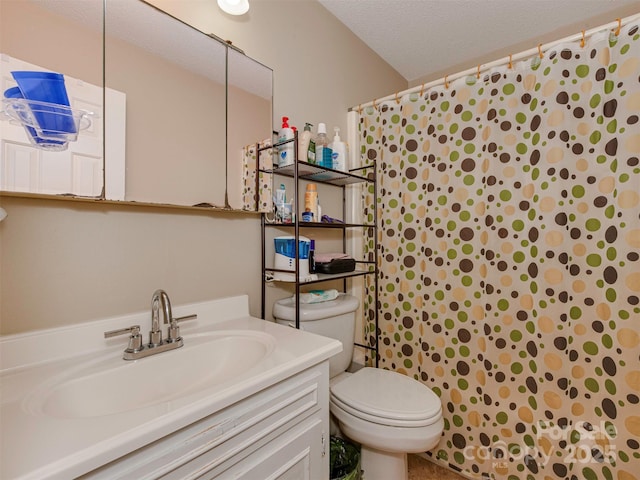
(423, 37)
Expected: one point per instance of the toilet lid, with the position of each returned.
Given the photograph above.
(387, 398)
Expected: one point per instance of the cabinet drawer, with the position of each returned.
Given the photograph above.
(288, 457)
(224, 438)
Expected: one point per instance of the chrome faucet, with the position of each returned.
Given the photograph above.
(159, 298)
(135, 350)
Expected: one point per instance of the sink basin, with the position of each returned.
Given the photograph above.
(109, 385)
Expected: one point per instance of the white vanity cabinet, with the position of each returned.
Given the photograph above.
(279, 433)
(243, 398)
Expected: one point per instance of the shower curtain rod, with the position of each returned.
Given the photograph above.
(540, 49)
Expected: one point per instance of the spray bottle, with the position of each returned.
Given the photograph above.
(286, 152)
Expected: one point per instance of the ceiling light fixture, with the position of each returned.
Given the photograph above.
(234, 7)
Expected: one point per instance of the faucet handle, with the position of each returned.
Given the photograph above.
(133, 329)
(135, 340)
(173, 332)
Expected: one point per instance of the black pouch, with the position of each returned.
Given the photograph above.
(337, 265)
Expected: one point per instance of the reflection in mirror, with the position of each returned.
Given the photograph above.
(173, 77)
(43, 149)
(159, 131)
(249, 117)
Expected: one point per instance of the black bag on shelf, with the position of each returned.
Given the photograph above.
(337, 265)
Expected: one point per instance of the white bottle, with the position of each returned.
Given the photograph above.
(339, 152)
(323, 152)
(306, 145)
(286, 152)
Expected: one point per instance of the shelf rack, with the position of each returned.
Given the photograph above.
(300, 170)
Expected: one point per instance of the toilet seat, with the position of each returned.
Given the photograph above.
(387, 398)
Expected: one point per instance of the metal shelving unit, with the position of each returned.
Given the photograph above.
(301, 170)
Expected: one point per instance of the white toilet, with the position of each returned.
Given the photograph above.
(387, 413)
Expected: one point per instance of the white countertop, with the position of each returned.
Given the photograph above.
(34, 445)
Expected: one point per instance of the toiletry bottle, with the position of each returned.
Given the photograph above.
(338, 152)
(311, 201)
(305, 143)
(286, 152)
(311, 151)
(312, 261)
(280, 200)
(323, 152)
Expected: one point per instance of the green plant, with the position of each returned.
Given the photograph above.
(344, 460)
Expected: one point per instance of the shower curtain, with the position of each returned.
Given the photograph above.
(509, 259)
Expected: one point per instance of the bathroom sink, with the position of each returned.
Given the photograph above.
(110, 385)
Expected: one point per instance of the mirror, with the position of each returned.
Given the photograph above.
(249, 120)
(178, 105)
(35, 38)
(175, 105)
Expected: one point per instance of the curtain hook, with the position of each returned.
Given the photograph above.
(374, 103)
(446, 83)
(617, 32)
(582, 42)
(360, 109)
(478, 74)
(510, 66)
(540, 50)
(397, 99)
(422, 90)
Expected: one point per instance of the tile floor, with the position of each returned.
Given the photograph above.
(422, 469)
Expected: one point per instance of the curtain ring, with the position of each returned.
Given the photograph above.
(360, 109)
(617, 32)
(510, 66)
(582, 41)
(397, 99)
(446, 83)
(422, 90)
(374, 103)
(478, 74)
(540, 50)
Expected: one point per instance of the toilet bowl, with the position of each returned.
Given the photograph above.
(390, 415)
(387, 413)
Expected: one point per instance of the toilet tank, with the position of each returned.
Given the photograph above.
(335, 319)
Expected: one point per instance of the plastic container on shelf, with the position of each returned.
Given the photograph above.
(312, 256)
(323, 151)
(285, 257)
(283, 210)
(311, 202)
(286, 152)
(338, 152)
(307, 145)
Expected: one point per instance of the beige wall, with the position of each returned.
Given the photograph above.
(320, 67)
(64, 262)
(615, 11)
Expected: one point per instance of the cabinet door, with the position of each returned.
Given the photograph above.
(298, 454)
(276, 433)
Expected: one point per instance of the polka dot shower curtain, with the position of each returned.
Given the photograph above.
(509, 249)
